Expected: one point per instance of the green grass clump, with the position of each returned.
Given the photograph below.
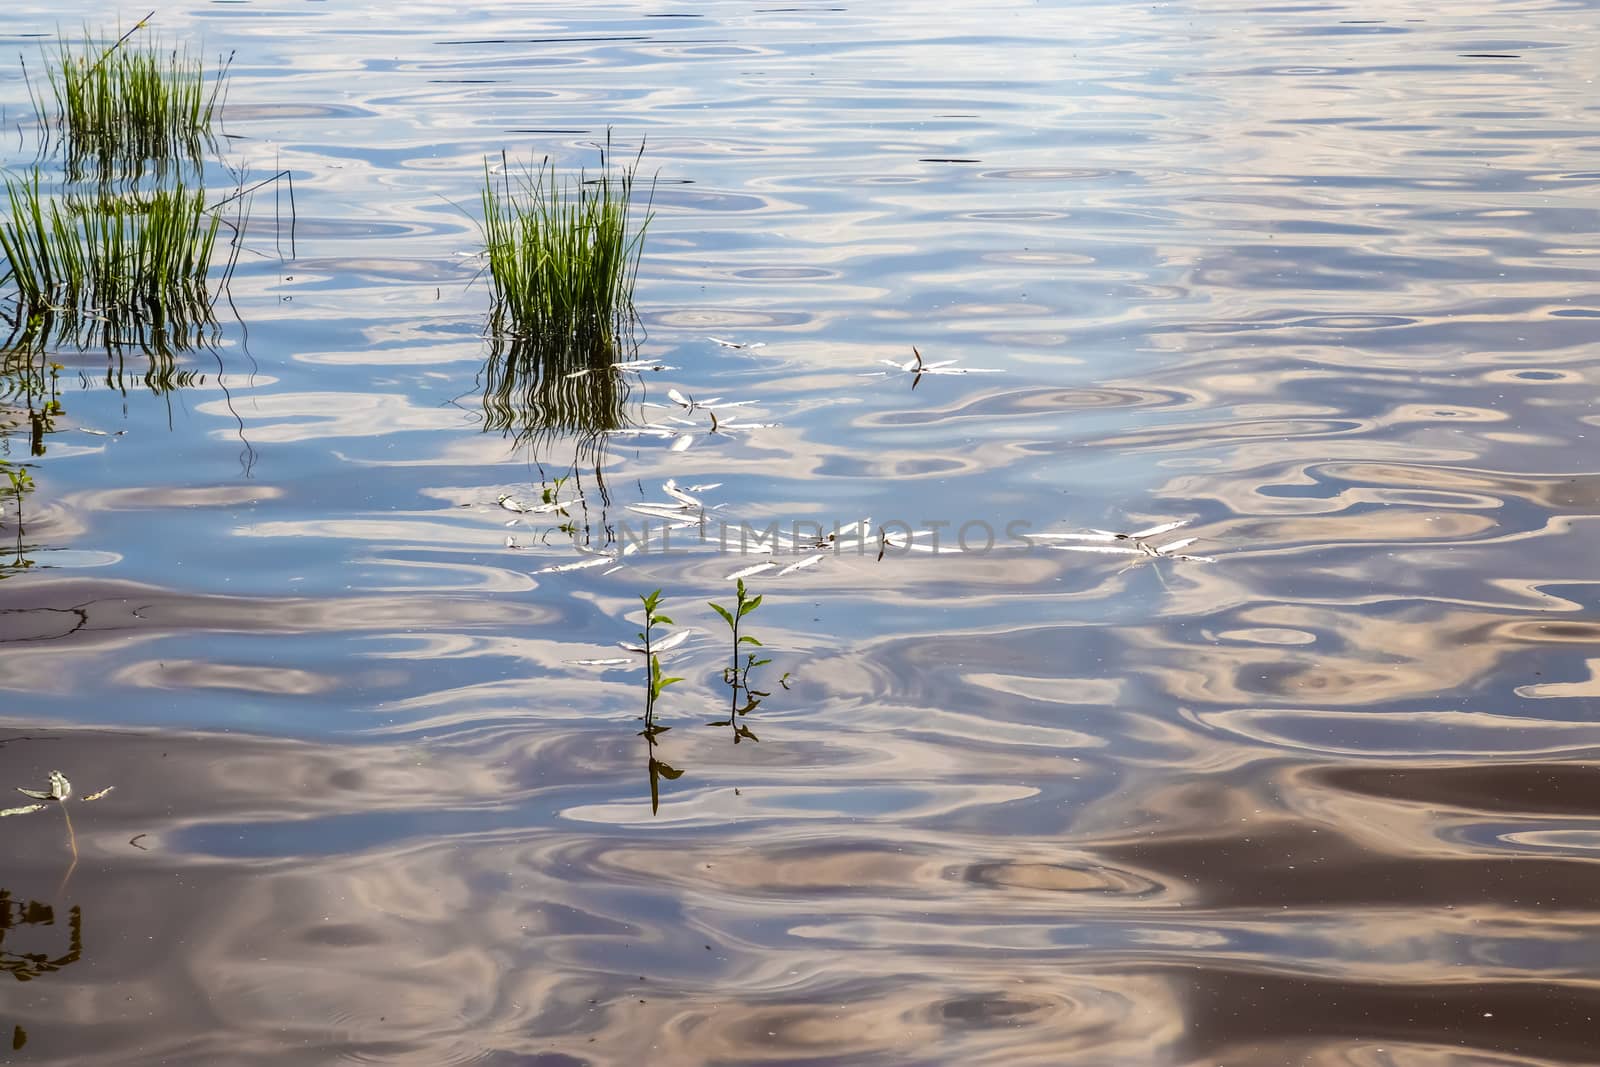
(121, 108)
(562, 260)
(133, 265)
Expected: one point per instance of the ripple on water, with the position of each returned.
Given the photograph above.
(1326, 801)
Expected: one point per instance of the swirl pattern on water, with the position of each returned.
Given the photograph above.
(1321, 284)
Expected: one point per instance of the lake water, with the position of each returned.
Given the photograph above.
(1321, 280)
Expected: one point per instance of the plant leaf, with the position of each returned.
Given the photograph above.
(672, 641)
(672, 490)
(801, 564)
(748, 607)
(582, 564)
(748, 640)
(727, 616)
(60, 788)
(1159, 529)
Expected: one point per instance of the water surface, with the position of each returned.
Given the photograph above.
(1316, 278)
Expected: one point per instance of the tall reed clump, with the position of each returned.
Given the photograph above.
(562, 259)
(121, 108)
(135, 264)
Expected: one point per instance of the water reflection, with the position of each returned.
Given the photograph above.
(658, 770)
(30, 395)
(538, 390)
(33, 409)
(120, 332)
(1323, 802)
(26, 966)
(33, 381)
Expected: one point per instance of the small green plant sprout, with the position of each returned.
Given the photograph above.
(18, 484)
(745, 605)
(738, 677)
(656, 681)
(550, 501)
(19, 481)
(59, 792)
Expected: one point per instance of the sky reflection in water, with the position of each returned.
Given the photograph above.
(1319, 282)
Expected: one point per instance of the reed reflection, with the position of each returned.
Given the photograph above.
(26, 966)
(544, 389)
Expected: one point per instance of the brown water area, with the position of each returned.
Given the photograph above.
(1316, 284)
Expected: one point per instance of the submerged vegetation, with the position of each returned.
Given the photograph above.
(125, 107)
(562, 257)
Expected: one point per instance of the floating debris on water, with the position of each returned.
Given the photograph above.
(917, 367)
(1137, 543)
(664, 645)
(580, 565)
(621, 368)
